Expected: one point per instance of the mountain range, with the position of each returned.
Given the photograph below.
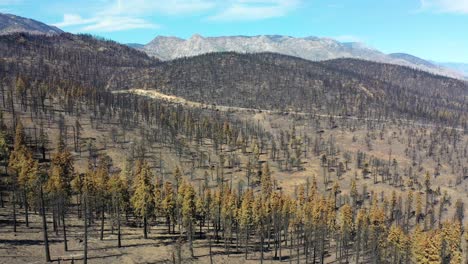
(92, 67)
(309, 48)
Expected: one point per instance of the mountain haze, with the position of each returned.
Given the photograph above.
(460, 67)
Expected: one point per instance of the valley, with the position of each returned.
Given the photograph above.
(109, 155)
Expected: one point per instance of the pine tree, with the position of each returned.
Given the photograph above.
(101, 188)
(347, 228)
(336, 190)
(377, 230)
(118, 187)
(427, 246)
(361, 230)
(19, 162)
(58, 184)
(397, 241)
(266, 183)
(451, 248)
(246, 217)
(354, 192)
(4, 151)
(142, 198)
(4, 155)
(189, 213)
(419, 215)
(169, 206)
(459, 211)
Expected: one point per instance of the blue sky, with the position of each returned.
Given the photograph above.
(431, 29)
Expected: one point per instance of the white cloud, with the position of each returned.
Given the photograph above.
(255, 9)
(117, 15)
(74, 20)
(446, 6)
(111, 23)
(148, 7)
(104, 23)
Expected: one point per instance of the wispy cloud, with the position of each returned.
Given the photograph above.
(104, 23)
(255, 9)
(116, 15)
(74, 20)
(446, 6)
(168, 7)
(115, 23)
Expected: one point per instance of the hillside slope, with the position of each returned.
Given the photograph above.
(13, 24)
(310, 48)
(278, 82)
(264, 81)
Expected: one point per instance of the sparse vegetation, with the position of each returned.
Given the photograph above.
(345, 167)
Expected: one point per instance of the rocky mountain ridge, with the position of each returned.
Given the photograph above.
(310, 48)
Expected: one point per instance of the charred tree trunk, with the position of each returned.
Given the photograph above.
(44, 228)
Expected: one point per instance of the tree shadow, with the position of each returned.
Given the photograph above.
(27, 242)
(71, 258)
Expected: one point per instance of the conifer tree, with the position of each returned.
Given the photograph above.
(58, 184)
(118, 187)
(266, 183)
(347, 228)
(361, 230)
(377, 230)
(101, 188)
(451, 239)
(19, 161)
(142, 198)
(188, 213)
(169, 206)
(246, 217)
(396, 241)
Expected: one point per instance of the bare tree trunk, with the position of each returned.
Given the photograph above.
(102, 223)
(262, 240)
(209, 243)
(2, 205)
(14, 211)
(190, 239)
(64, 227)
(119, 234)
(26, 212)
(246, 242)
(85, 218)
(44, 228)
(145, 227)
(279, 245)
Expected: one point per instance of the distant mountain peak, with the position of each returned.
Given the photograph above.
(196, 36)
(310, 48)
(12, 24)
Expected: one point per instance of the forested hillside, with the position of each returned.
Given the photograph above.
(265, 81)
(339, 87)
(356, 162)
(78, 60)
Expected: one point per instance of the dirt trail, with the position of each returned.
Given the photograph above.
(179, 100)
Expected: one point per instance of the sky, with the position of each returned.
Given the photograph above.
(431, 29)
